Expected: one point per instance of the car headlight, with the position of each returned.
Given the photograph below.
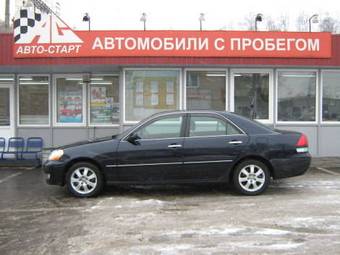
(56, 155)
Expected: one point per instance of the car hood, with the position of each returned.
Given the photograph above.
(97, 140)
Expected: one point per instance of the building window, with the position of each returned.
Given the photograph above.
(150, 91)
(70, 101)
(4, 107)
(252, 94)
(104, 100)
(296, 96)
(205, 90)
(33, 100)
(331, 96)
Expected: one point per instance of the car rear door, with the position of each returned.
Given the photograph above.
(211, 145)
(157, 150)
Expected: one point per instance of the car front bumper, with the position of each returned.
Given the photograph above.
(55, 172)
(292, 166)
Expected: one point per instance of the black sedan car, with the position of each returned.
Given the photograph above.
(182, 147)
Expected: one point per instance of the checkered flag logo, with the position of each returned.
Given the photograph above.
(37, 26)
(26, 21)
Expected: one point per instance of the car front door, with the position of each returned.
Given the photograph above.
(155, 148)
(211, 145)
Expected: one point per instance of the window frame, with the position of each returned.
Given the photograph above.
(225, 70)
(180, 89)
(317, 107)
(18, 100)
(90, 124)
(271, 85)
(55, 98)
(322, 73)
(3, 86)
(10, 84)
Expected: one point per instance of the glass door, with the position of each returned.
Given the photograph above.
(252, 94)
(6, 111)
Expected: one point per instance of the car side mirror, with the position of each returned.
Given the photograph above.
(133, 138)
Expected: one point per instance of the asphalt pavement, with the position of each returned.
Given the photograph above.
(298, 215)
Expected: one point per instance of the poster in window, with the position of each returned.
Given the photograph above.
(154, 87)
(139, 86)
(170, 100)
(70, 105)
(170, 87)
(101, 105)
(139, 99)
(154, 99)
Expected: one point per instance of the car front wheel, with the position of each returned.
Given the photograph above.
(84, 180)
(251, 177)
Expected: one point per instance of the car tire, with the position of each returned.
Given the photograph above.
(251, 177)
(84, 179)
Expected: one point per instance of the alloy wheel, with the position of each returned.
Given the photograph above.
(251, 178)
(83, 180)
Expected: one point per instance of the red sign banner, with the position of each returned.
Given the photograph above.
(40, 34)
(177, 43)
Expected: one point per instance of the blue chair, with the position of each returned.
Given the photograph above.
(16, 146)
(2, 146)
(34, 146)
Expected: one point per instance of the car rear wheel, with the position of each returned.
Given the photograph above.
(84, 180)
(251, 177)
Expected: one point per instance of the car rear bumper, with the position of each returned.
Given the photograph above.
(293, 166)
(54, 172)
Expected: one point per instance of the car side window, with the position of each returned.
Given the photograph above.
(210, 126)
(168, 127)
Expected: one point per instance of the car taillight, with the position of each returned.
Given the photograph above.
(302, 144)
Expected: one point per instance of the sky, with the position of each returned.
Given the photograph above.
(183, 15)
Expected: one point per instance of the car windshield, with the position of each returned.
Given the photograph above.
(122, 134)
(128, 130)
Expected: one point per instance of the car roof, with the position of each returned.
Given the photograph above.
(190, 111)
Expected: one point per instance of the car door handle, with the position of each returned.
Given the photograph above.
(174, 146)
(235, 142)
